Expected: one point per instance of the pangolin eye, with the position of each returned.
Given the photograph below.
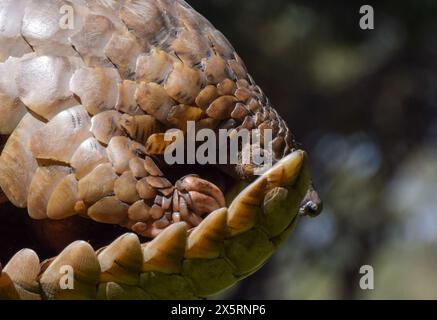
(86, 112)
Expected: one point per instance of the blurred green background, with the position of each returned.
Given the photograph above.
(364, 106)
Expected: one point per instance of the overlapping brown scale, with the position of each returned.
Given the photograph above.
(239, 70)
(120, 152)
(158, 182)
(152, 168)
(143, 229)
(183, 84)
(243, 94)
(123, 51)
(122, 260)
(248, 123)
(109, 210)
(63, 200)
(108, 8)
(140, 127)
(97, 184)
(138, 148)
(205, 242)
(60, 137)
(254, 106)
(154, 67)
(240, 112)
(169, 24)
(88, 156)
(125, 188)
(245, 209)
(242, 83)
(97, 88)
(260, 118)
(191, 48)
(12, 44)
(207, 96)
(43, 184)
(157, 144)
(187, 16)
(286, 171)
(154, 100)
(145, 190)
(276, 216)
(221, 108)
(23, 269)
(49, 37)
(126, 102)
(146, 20)
(137, 167)
(91, 39)
(11, 107)
(165, 253)
(215, 69)
(17, 164)
(167, 191)
(156, 212)
(43, 83)
(140, 212)
(220, 43)
(81, 257)
(226, 87)
(180, 115)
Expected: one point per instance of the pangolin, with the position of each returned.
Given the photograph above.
(88, 89)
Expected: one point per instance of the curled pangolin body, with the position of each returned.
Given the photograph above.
(97, 98)
(85, 107)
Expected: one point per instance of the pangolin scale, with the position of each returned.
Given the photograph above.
(87, 90)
